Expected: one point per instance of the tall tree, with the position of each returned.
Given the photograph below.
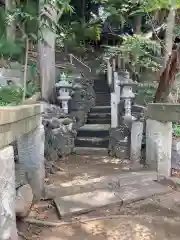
(171, 59)
(10, 5)
(46, 49)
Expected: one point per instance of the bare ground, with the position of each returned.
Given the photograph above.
(156, 218)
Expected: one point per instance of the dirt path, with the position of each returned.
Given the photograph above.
(156, 218)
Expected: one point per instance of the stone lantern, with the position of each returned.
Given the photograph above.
(127, 95)
(64, 89)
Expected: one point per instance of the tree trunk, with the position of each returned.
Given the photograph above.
(169, 38)
(11, 26)
(138, 24)
(170, 65)
(46, 54)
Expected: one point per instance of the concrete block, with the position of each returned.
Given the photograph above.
(158, 146)
(136, 141)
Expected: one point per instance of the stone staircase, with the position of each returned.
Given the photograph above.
(93, 137)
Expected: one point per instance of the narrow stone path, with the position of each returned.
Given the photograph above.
(93, 137)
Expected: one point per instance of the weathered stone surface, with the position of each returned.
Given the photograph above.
(164, 112)
(158, 146)
(85, 202)
(24, 199)
(31, 159)
(17, 113)
(112, 182)
(20, 175)
(175, 154)
(83, 99)
(176, 144)
(16, 121)
(139, 191)
(7, 195)
(59, 133)
(119, 142)
(136, 141)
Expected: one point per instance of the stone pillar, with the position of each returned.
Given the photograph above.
(136, 142)
(158, 146)
(7, 195)
(31, 159)
(115, 100)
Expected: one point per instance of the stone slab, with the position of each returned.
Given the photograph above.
(86, 202)
(140, 191)
(164, 112)
(111, 182)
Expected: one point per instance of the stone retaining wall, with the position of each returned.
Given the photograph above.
(60, 128)
(21, 124)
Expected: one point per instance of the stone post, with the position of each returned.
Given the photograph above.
(158, 146)
(136, 142)
(115, 99)
(31, 159)
(7, 195)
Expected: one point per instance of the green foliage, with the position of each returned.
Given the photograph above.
(10, 49)
(145, 94)
(138, 53)
(176, 129)
(10, 95)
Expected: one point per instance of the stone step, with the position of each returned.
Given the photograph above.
(99, 115)
(94, 130)
(77, 186)
(102, 99)
(92, 142)
(98, 121)
(86, 202)
(101, 109)
(91, 151)
(101, 86)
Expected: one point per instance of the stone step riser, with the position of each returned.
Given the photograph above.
(90, 142)
(102, 100)
(91, 151)
(98, 121)
(88, 133)
(99, 109)
(99, 116)
(102, 90)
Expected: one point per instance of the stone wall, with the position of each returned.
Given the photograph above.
(21, 124)
(60, 128)
(59, 132)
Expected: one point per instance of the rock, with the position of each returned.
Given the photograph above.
(67, 121)
(24, 199)
(55, 123)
